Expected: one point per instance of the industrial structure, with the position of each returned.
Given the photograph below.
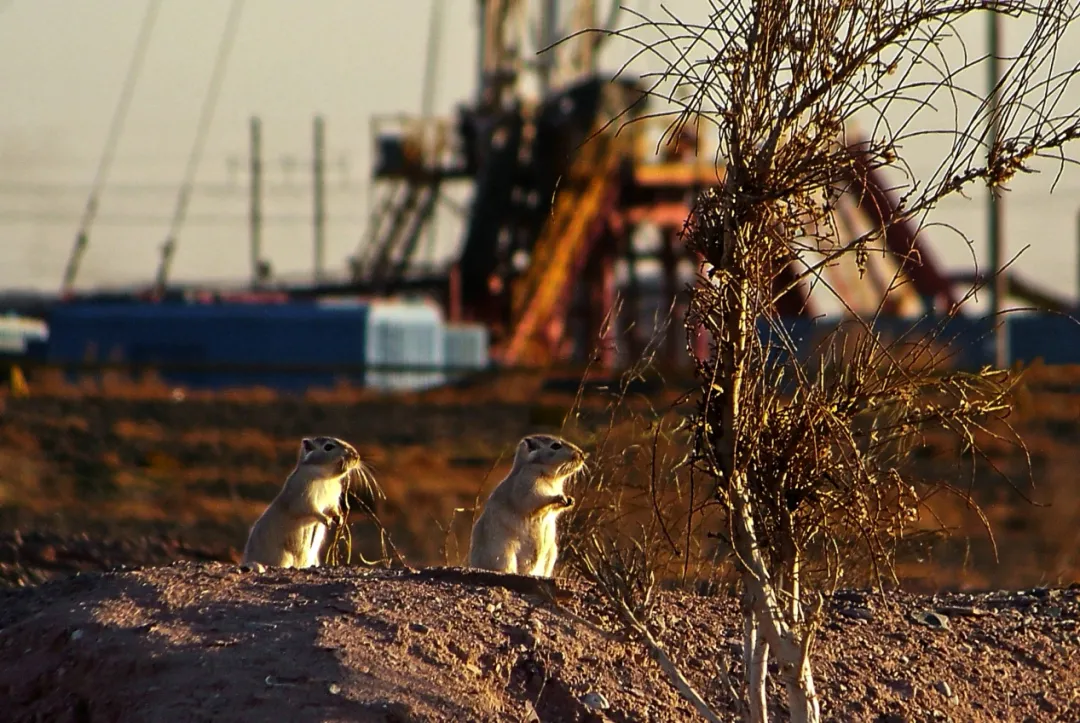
(561, 186)
(563, 183)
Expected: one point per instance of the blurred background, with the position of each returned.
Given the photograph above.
(394, 203)
(63, 68)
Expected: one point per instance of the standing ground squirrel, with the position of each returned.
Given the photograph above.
(516, 531)
(292, 530)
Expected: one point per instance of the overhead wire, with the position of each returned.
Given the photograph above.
(112, 140)
(427, 100)
(168, 249)
(206, 219)
(216, 189)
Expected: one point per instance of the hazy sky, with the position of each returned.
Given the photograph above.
(62, 63)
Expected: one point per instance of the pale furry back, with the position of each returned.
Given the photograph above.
(517, 530)
(292, 531)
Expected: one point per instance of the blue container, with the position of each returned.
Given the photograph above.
(1052, 337)
(968, 341)
(215, 336)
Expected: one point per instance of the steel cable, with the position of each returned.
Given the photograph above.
(112, 140)
(168, 249)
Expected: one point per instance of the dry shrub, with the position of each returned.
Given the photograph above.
(637, 506)
(820, 466)
(642, 518)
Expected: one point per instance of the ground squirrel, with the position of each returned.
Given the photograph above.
(293, 529)
(516, 531)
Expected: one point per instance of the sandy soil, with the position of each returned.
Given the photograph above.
(202, 641)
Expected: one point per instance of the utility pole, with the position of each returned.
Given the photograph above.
(255, 217)
(430, 134)
(318, 166)
(586, 44)
(549, 22)
(999, 289)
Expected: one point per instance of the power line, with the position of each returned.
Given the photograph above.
(168, 249)
(116, 127)
(149, 189)
(147, 220)
(17, 159)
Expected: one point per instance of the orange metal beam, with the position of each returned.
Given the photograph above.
(677, 174)
(668, 214)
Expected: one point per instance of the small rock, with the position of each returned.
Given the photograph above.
(962, 611)
(595, 701)
(1045, 703)
(334, 688)
(930, 619)
(857, 613)
(77, 634)
(850, 596)
(942, 687)
(473, 669)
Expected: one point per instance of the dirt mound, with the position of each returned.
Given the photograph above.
(215, 641)
(36, 556)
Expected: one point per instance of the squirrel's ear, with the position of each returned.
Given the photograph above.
(530, 444)
(306, 445)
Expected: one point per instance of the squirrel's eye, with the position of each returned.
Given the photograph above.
(556, 445)
(328, 446)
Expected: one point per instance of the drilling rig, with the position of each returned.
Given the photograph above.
(566, 180)
(563, 179)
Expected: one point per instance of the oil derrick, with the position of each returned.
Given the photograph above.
(560, 186)
(547, 219)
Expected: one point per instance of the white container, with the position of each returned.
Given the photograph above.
(402, 334)
(467, 348)
(16, 331)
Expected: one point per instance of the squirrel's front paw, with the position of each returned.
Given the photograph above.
(331, 518)
(566, 501)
